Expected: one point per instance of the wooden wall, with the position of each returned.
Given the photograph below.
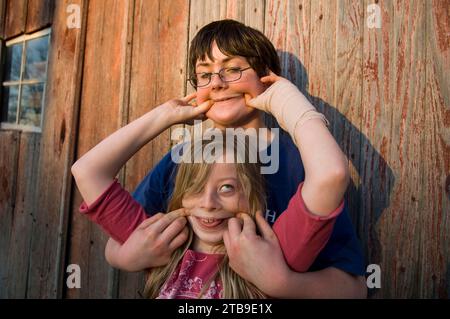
(385, 91)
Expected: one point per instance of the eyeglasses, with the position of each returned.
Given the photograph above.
(226, 75)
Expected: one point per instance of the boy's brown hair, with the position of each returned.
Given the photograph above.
(234, 38)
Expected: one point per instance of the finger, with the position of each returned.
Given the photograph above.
(263, 226)
(179, 239)
(173, 229)
(226, 240)
(167, 219)
(249, 226)
(189, 97)
(269, 78)
(151, 220)
(234, 228)
(247, 98)
(203, 108)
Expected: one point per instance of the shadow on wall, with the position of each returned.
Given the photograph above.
(368, 200)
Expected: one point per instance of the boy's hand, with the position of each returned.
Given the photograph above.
(263, 101)
(185, 110)
(285, 102)
(256, 258)
(152, 243)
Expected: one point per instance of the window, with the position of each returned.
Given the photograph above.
(24, 79)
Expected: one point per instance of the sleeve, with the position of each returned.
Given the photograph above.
(343, 250)
(302, 234)
(116, 212)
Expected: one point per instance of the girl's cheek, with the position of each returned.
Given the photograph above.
(243, 205)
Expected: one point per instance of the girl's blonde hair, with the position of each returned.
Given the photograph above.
(191, 179)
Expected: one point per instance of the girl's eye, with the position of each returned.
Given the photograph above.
(226, 188)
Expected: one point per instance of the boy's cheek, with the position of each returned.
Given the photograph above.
(202, 96)
(254, 88)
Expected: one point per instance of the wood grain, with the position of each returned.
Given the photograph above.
(100, 115)
(16, 13)
(39, 14)
(9, 144)
(53, 188)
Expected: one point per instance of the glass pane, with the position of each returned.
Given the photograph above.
(13, 61)
(36, 58)
(30, 106)
(10, 95)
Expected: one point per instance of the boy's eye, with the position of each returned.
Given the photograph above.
(233, 70)
(226, 188)
(205, 76)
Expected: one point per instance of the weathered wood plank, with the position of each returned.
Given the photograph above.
(322, 65)
(16, 14)
(250, 12)
(393, 113)
(19, 248)
(9, 146)
(2, 17)
(275, 28)
(348, 94)
(48, 246)
(434, 215)
(39, 14)
(101, 102)
(287, 25)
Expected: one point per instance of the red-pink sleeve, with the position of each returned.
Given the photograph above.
(116, 212)
(302, 235)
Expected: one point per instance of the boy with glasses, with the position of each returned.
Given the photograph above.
(235, 67)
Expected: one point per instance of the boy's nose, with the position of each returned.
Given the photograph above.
(217, 82)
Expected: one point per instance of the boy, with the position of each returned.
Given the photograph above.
(226, 61)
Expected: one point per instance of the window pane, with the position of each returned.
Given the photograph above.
(13, 62)
(10, 94)
(30, 106)
(36, 58)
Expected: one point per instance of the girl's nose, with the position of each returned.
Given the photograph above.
(208, 200)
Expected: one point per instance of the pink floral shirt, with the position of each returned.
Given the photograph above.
(189, 278)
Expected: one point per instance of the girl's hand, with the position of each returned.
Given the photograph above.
(185, 110)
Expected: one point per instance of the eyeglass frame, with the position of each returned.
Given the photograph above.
(218, 73)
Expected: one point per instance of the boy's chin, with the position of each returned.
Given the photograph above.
(232, 117)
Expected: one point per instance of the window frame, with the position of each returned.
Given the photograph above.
(23, 39)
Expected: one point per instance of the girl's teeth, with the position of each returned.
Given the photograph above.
(211, 222)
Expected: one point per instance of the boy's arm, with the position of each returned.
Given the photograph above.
(259, 259)
(326, 283)
(326, 167)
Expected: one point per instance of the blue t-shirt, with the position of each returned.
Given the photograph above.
(343, 250)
